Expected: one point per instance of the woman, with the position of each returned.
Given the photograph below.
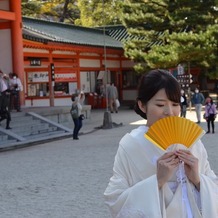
(210, 113)
(145, 181)
(76, 109)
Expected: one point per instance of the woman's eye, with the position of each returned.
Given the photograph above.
(160, 105)
(176, 104)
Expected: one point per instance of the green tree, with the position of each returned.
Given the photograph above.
(168, 32)
(57, 10)
(99, 12)
(30, 8)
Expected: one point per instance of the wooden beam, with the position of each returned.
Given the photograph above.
(7, 15)
(5, 25)
(70, 47)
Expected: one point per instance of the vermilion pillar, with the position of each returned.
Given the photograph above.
(17, 43)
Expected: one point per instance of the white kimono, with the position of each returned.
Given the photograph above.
(133, 189)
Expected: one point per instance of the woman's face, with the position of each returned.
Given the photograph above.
(159, 106)
(208, 100)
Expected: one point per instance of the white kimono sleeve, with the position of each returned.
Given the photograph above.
(126, 200)
(208, 187)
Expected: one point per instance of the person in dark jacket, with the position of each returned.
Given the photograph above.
(198, 100)
(4, 100)
(183, 104)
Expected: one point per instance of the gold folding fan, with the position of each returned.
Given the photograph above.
(174, 130)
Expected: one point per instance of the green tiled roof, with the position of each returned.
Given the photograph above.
(118, 32)
(44, 31)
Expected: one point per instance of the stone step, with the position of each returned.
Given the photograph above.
(36, 130)
(22, 124)
(18, 121)
(7, 143)
(47, 134)
(3, 137)
(30, 128)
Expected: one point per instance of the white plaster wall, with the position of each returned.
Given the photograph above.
(37, 103)
(5, 51)
(35, 50)
(4, 5)
(112, 55)
(128, 63)
(46, 102)
(112, 64)
(89, 63)
(62, 101)
(64, 52)
(89, 54)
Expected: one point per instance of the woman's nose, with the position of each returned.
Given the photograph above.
(168, 111)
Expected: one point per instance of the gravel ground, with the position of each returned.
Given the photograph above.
(66, 178)
(60, 179)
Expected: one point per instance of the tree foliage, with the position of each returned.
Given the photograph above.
(169, 32)
(57, 10)
(99, 12)
(30, 8)
(163, 33)
(81, 12)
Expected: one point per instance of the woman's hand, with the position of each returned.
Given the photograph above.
(190, 165)
(165, 167)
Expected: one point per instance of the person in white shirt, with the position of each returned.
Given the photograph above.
(112, 96)
(16, 87)
(76, 113)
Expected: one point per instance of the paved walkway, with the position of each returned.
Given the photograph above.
(130, 118)
(66, 178)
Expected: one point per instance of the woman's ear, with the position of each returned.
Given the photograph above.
(141, 106)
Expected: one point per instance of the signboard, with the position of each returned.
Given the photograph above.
(38, 77)
(185, 80)
(35, 62)
(65, 76)
(52, 72)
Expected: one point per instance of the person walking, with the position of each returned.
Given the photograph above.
(198, 100)
(148, 181)
(16, 87)
(112, 96)
(3, 88)
(4, 100)
(210, 114)
(77, 116)
(183, 104)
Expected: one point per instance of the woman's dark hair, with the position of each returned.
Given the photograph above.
(73, 96)
(211, 100)
(151, 82)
